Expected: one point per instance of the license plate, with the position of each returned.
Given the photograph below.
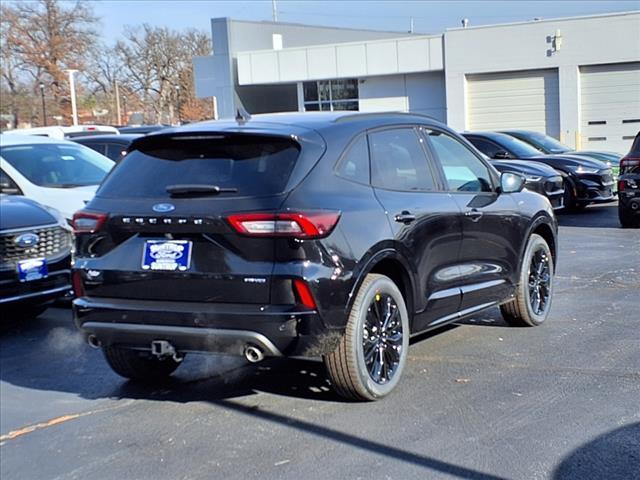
(30, 270)
(167, 255)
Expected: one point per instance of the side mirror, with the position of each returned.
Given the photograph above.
(501, 155)
(511, 182)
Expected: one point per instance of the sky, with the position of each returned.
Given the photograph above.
(429, 16)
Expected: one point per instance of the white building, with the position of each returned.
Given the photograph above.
(577, 79)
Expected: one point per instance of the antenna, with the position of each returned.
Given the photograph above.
(465, 22)
(242, 116)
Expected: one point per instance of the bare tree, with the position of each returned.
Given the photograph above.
(43, 38)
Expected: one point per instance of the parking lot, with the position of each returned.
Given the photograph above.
(478, 400)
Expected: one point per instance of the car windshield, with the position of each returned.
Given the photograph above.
(548, 144)
(518, 147)
(57, 165)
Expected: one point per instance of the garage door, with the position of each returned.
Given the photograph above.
(526, 99)
(610, 100)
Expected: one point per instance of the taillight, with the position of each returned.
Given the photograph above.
(76, 281)
(306, 225)
(303, 292)
(628, 162)
(621, 185)
(87, 222)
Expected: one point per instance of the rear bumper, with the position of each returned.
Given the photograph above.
(206, 328)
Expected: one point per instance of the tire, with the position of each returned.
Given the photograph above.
(569, 200)
(522, 310)
(139, 365)
(628, 219)
(352, 376)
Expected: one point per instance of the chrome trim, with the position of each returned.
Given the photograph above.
(440, 294)
(462, 313)
(35, 294)
(33, 227)
(481, 286)
(217, 340)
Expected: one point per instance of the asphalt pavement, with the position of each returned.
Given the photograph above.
(477, 400)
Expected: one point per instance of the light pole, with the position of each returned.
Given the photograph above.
(44, 108)
(124, 111)
(72, 87)
(178, 98)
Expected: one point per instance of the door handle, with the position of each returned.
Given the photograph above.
(405, 217)
(473, 214)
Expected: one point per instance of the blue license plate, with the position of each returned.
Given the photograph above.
(34, 269)
(167, 255)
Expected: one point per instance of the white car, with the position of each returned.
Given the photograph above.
(57, 173)
(65, 132)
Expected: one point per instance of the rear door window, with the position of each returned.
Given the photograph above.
(398, 161)
(248, 164)
(488, 148)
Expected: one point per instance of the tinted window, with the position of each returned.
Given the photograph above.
(398, 161)
(98, 147)
(517, 147)
(58, 165)
(545, 142)
(488, 148)
(115, 151)
(355, 163)
(463, 170)
(251, 164)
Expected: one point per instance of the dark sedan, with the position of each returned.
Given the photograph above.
(550, 146)
(111, 146)
(539, 178)
(35, 256)
(586, 180)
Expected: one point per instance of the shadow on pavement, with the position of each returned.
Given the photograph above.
(612, 456)
(593, 216)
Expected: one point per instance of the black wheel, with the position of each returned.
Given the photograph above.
(569, 200)
(627, 218)
(139, 365)
(368, 362)
(534, 292)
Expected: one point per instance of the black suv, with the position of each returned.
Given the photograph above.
(629, 187)
(329, 234)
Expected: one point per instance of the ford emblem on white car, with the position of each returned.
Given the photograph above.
(26, 240)
(163, 207)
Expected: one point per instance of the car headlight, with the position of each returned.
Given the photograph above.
(581, 169)
(532, 178)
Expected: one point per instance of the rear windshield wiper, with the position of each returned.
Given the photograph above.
(198, 189)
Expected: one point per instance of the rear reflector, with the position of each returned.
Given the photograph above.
(308, 225)
(86, 222)
(78, 287)
(303, 292)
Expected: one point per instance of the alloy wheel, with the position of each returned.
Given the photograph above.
(539, 282)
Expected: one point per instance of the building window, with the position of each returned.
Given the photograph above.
(329, 95)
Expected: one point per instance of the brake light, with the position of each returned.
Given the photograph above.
(629, 162)
(303, 292)
(76, 281)
(87, 222)
(621, 185)
(305, 225)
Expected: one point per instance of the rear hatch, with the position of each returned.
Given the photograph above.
(171, 197)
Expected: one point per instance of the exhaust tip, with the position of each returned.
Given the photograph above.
(93, 341)
(253, 354)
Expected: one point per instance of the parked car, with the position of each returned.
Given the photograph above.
(35, 256)
(586, 180)
(629, 187)
(548, 145)
(65, 132)
(111, 146)
(539, 178)
(330, 234)
(56, 173)
(142, 129)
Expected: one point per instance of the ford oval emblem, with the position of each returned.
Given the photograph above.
(26, 240)
(163, 207)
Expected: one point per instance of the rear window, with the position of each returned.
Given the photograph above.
(248, 165)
